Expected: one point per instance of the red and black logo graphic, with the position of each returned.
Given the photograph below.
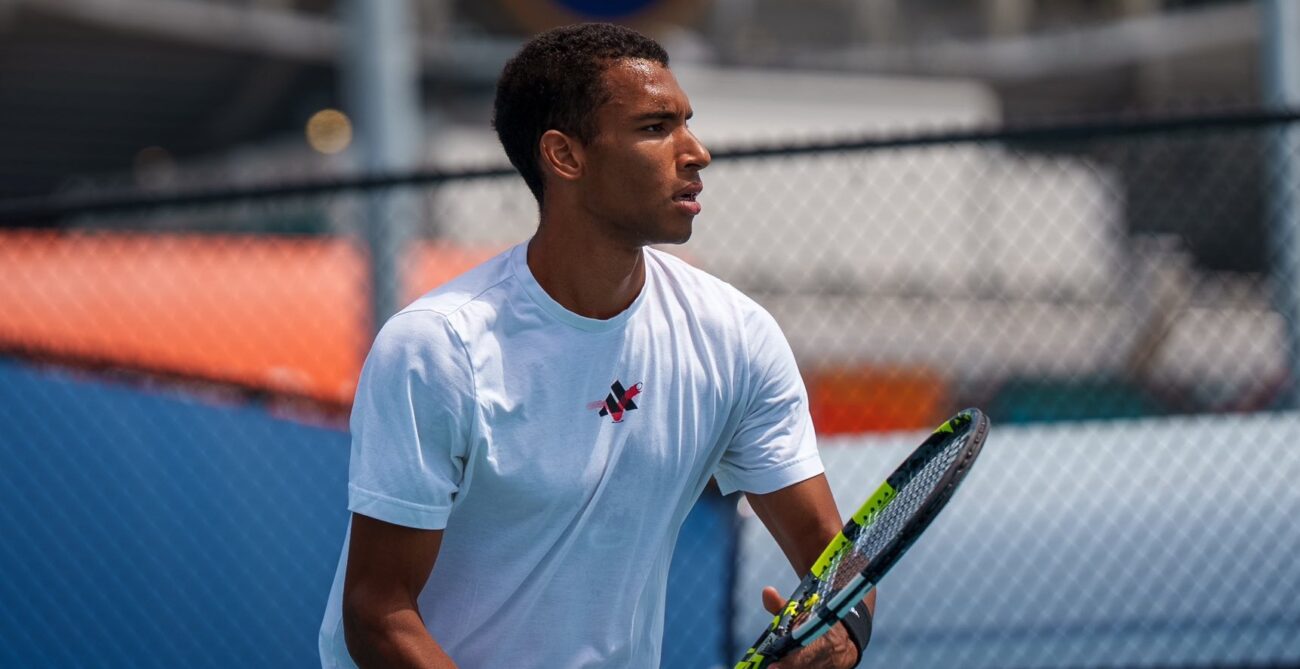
(618, 402)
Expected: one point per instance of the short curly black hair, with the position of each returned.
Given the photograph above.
(554, 83)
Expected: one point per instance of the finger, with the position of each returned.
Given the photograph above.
(772, 600)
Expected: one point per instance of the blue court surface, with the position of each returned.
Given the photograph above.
(150, 529)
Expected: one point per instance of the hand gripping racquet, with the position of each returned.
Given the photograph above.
(874, 539)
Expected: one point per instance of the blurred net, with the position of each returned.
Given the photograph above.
(177, 379)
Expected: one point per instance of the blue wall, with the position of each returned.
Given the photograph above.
(151, 529)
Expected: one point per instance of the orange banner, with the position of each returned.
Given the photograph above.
(286, 314)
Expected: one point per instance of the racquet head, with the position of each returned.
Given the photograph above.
(874, 538)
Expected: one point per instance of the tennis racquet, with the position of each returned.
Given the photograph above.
(874, 539)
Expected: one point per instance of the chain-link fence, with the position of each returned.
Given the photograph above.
(175, 385)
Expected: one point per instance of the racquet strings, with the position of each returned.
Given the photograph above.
(880, 532)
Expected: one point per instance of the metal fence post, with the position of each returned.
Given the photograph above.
(380, 72)
(1281, 69)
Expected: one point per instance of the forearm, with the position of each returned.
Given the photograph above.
(806, 543)
(398, 639)
(802, 518)
(388, 566)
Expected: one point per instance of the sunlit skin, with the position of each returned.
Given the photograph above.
(606, 199)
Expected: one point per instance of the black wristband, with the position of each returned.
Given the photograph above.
(858, 625)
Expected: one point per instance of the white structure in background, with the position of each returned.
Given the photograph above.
(872, 233)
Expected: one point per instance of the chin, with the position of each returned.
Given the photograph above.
(651, 232)
(677, 232)
(674, 237)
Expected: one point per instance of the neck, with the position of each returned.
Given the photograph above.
(583, 268)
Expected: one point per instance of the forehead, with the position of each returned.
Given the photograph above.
(635, 86)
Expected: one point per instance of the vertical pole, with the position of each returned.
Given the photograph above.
(730, 27)
(1007, 18)
(380, 70)
(1280, 59)
(875, 22)
(731, 646)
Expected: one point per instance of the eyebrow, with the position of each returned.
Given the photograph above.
(662, 115)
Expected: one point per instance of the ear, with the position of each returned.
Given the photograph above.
(562, 155)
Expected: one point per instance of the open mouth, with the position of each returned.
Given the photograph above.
(685, 200)
(690, 192)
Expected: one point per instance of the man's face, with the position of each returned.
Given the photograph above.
(643, 165)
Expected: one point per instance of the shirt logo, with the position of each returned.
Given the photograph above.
(618, 402)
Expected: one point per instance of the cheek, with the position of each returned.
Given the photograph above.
(653, 173)
(629, 180)
(635, 179)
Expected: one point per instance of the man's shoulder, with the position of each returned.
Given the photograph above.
(476, 285)
(724, 310)
(702, 287)
(450, 312)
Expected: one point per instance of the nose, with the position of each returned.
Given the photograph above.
(694, 156)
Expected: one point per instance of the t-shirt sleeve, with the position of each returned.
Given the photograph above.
(774, 445)
(411, 423)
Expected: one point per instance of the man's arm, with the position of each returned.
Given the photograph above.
(388, 566)
(803, 518)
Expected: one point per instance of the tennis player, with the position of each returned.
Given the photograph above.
(528, 438)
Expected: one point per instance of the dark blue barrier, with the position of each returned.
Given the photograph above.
(147, 529)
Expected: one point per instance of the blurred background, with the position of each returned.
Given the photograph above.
(1079, 215)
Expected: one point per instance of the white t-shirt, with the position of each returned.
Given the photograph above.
(561, 454)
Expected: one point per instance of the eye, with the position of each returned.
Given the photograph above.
(658, 127)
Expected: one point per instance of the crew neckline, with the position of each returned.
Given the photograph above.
(519, 264)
